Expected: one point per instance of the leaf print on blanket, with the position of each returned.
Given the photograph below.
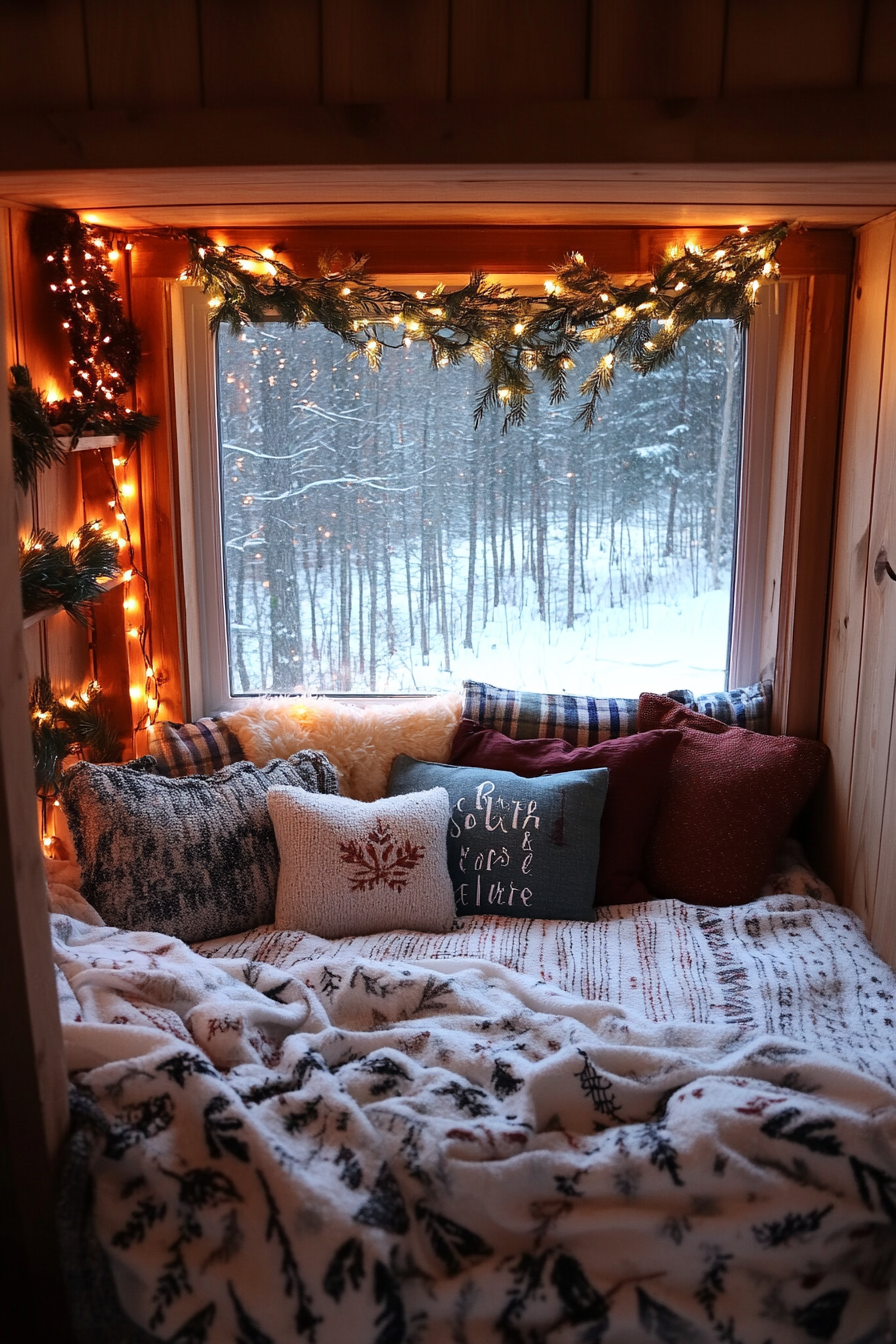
(388, 1072)
(346, 1267)
(503, 1082)
(597, 1088)
(141, 1120)
(870, 1178)
(183, 1065)
(220, 1131)
(391, 1318)
(811, 1133)
(306, 1322)
(351, 1172)
(385, 1207)
(663, 1154)
(466, 1099)
(582, 1303)
(195, 1330)
(792, 1226)
(451, 1242)
(380, 861)
(821, 1318)
(248, 1329)
(662, 1323)
(143, 1216)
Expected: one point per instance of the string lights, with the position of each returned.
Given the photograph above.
(79, 261)
(512, 336)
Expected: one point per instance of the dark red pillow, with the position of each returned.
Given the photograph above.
(731, 798)
(638, 767)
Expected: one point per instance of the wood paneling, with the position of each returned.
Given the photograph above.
(234, 34)
(811, 126)
(879, 47)
(815, 417)
(376, 51)
(801, 44)
(519, 49)
(144, 54)
(532, 251)
(156, 461)
(849, 574)
(42, 56)
(675, 50)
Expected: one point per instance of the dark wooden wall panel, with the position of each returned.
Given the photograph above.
(378, 51)
(800, 44)
(288, 33)
(675, 50)
(519, 48)
(145, 53)
(879, 47)
(42, 58)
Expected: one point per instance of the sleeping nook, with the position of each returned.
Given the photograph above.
(448, 648)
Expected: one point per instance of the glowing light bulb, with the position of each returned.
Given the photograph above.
(126, 490)
(518, 328)
(136, 692)
(152, 704)
(128, 575)
(421, 293)
(346, 291)
(130, 604)
(373, 345)
(743, 229)
(578, 259)
(268, 253)
(134, 632)
(549, 286)
(504, 393)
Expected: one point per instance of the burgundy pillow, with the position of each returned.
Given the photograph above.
(731, 798)
(638, 767)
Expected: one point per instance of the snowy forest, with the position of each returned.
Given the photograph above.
(375, 542)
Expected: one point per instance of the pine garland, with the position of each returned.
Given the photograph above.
(513, 337)
(67, 576)
(34, 445)
(78, 725)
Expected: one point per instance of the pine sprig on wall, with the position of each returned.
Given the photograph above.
(34, 445)
(67, 576)
(514, 337)
(78, 725)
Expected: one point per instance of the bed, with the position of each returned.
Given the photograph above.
(671, 1124)
(672, 1120)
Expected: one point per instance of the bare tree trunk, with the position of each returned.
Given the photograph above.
(676, 457)
(724, 449)
(387, 579)
(471, 561)
(446, 634)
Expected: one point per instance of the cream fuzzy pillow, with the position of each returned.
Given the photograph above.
(360, 741)
(348, 867)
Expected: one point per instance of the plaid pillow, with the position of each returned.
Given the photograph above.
(747, 707)
(582, 720)
(585, 720)
(198, 748)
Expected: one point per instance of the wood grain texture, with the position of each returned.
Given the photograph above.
(519, 49)
(815, 416)
(288, 31)
(879, 47)
(414, 251)
(33, 1083)
(849, 571)
(869, 843)
(802, 126)
(156, 462)
(677, 49)
(143, 55)
(800, 44)
(43, 60)
(374, 51)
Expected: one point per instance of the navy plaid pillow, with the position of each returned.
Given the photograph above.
(582, 720)
(198, 748)
(747, 707)
(585, 720)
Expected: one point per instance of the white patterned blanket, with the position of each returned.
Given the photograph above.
(337, 1149)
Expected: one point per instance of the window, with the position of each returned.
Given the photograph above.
(337, 510)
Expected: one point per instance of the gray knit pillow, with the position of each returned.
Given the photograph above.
(192, 857)
(350, 868)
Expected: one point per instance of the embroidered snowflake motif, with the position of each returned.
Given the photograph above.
(380, 860)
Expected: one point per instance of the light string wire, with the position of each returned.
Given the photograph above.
(79, 261)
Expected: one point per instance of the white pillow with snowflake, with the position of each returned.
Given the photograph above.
(349, 868)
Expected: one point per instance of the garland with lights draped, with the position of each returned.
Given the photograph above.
(34, 445)
(513, 337)
(79, 263)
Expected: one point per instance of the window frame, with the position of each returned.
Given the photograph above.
(764, 454)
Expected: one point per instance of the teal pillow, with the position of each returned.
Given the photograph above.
(527, 848)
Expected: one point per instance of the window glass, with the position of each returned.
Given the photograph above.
(375, 542)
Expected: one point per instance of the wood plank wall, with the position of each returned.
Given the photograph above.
(85, 55)
(857, 835)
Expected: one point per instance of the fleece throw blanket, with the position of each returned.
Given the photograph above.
(387, 1152)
